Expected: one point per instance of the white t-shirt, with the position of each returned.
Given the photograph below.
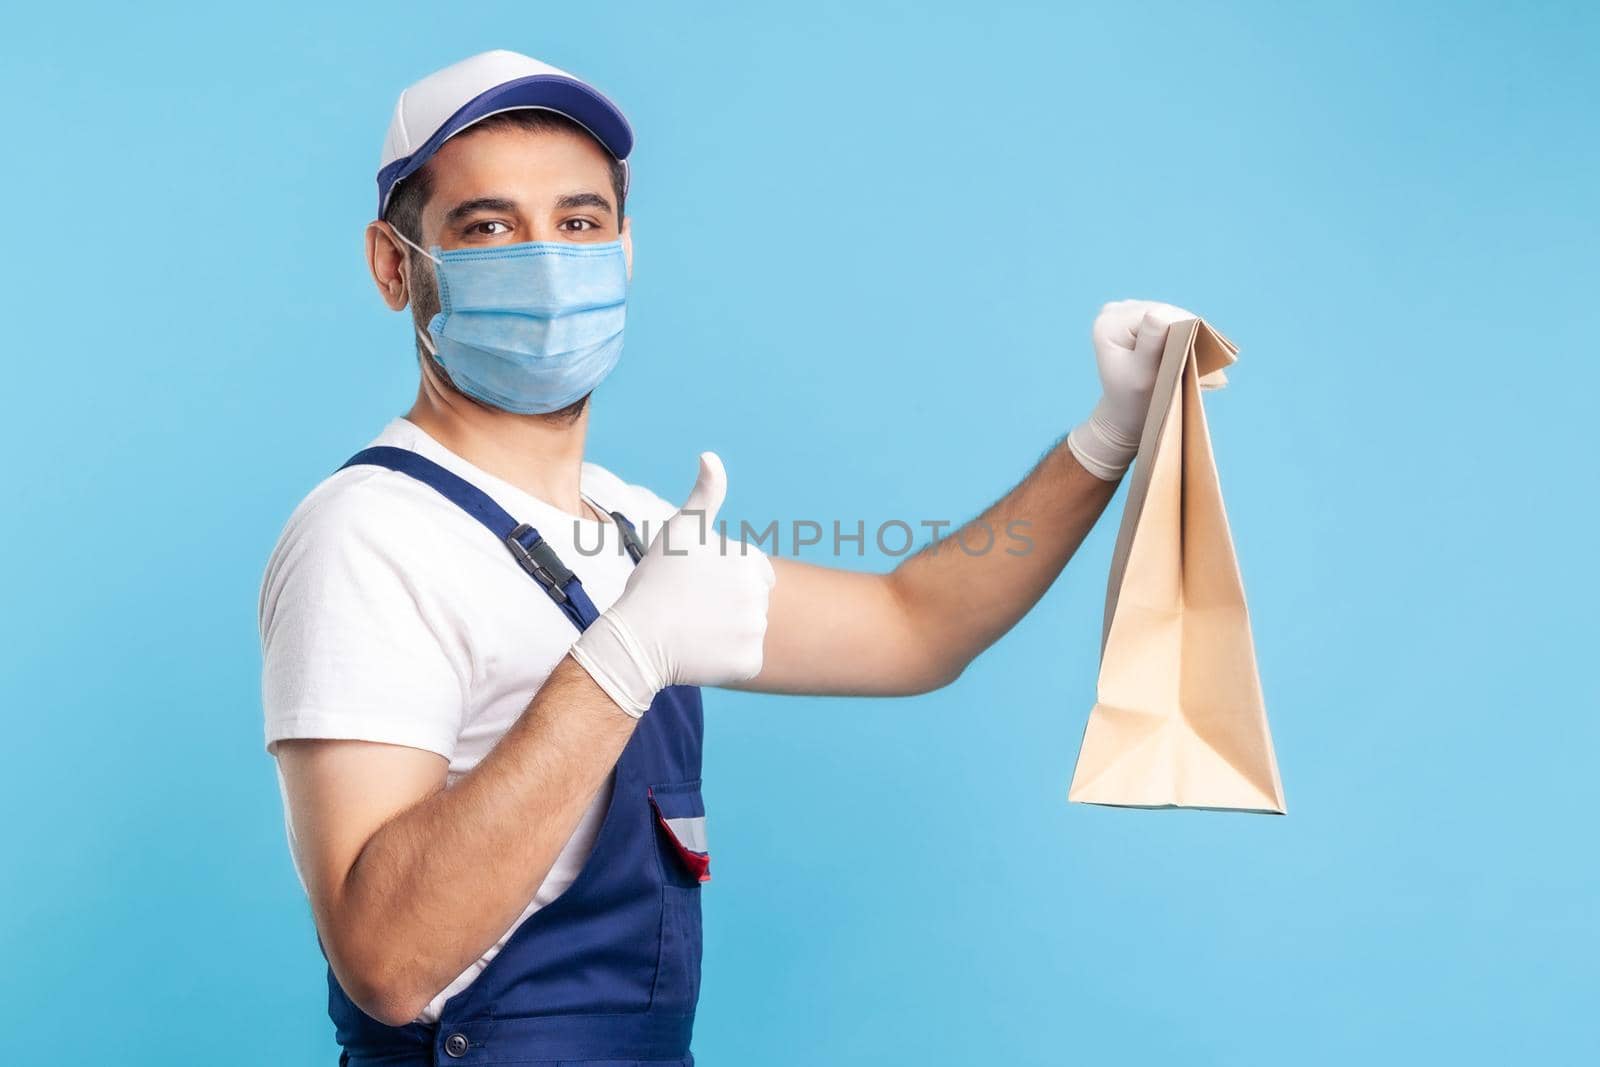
(389, 614)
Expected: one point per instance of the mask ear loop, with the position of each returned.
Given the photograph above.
(414, 244)
(427, 342)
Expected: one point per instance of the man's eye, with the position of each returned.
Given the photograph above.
(490, 229)
(578, 225)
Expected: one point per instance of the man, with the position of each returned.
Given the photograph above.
(491, 765)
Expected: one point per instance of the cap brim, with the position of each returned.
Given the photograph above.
(551, 92)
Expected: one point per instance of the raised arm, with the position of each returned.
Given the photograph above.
(411, 882)
(917, 627)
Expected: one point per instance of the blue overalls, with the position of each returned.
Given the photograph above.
(608, 973)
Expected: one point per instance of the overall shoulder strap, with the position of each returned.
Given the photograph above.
(631, 541)
(630, 536)
(531, 551)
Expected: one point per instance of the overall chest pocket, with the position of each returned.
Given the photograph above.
(680, 818)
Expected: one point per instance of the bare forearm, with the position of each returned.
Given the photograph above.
(961, 594)
(441, 881)
(916, 628)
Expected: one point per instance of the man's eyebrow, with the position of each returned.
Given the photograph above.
(482, 203)
(572, 200)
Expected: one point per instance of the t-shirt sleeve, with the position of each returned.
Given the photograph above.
(353, 644)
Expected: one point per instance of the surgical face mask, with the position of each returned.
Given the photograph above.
(528, 328)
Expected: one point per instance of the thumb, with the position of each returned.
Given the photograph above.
(1152, 330)
(709, 489)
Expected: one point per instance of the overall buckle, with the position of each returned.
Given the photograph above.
(540, 560)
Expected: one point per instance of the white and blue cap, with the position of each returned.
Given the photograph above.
(448, 101)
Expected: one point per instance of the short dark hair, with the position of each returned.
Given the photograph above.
(410, 196)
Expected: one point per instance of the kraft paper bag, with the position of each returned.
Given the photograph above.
(1180, 721)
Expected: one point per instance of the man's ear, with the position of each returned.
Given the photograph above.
(627, 243)
(386, 259)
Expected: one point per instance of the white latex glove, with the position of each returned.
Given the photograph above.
(694, 611)
(1129, 336)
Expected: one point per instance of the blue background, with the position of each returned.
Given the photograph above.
(870, 242)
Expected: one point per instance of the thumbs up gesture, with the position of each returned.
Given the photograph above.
(694, 611)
